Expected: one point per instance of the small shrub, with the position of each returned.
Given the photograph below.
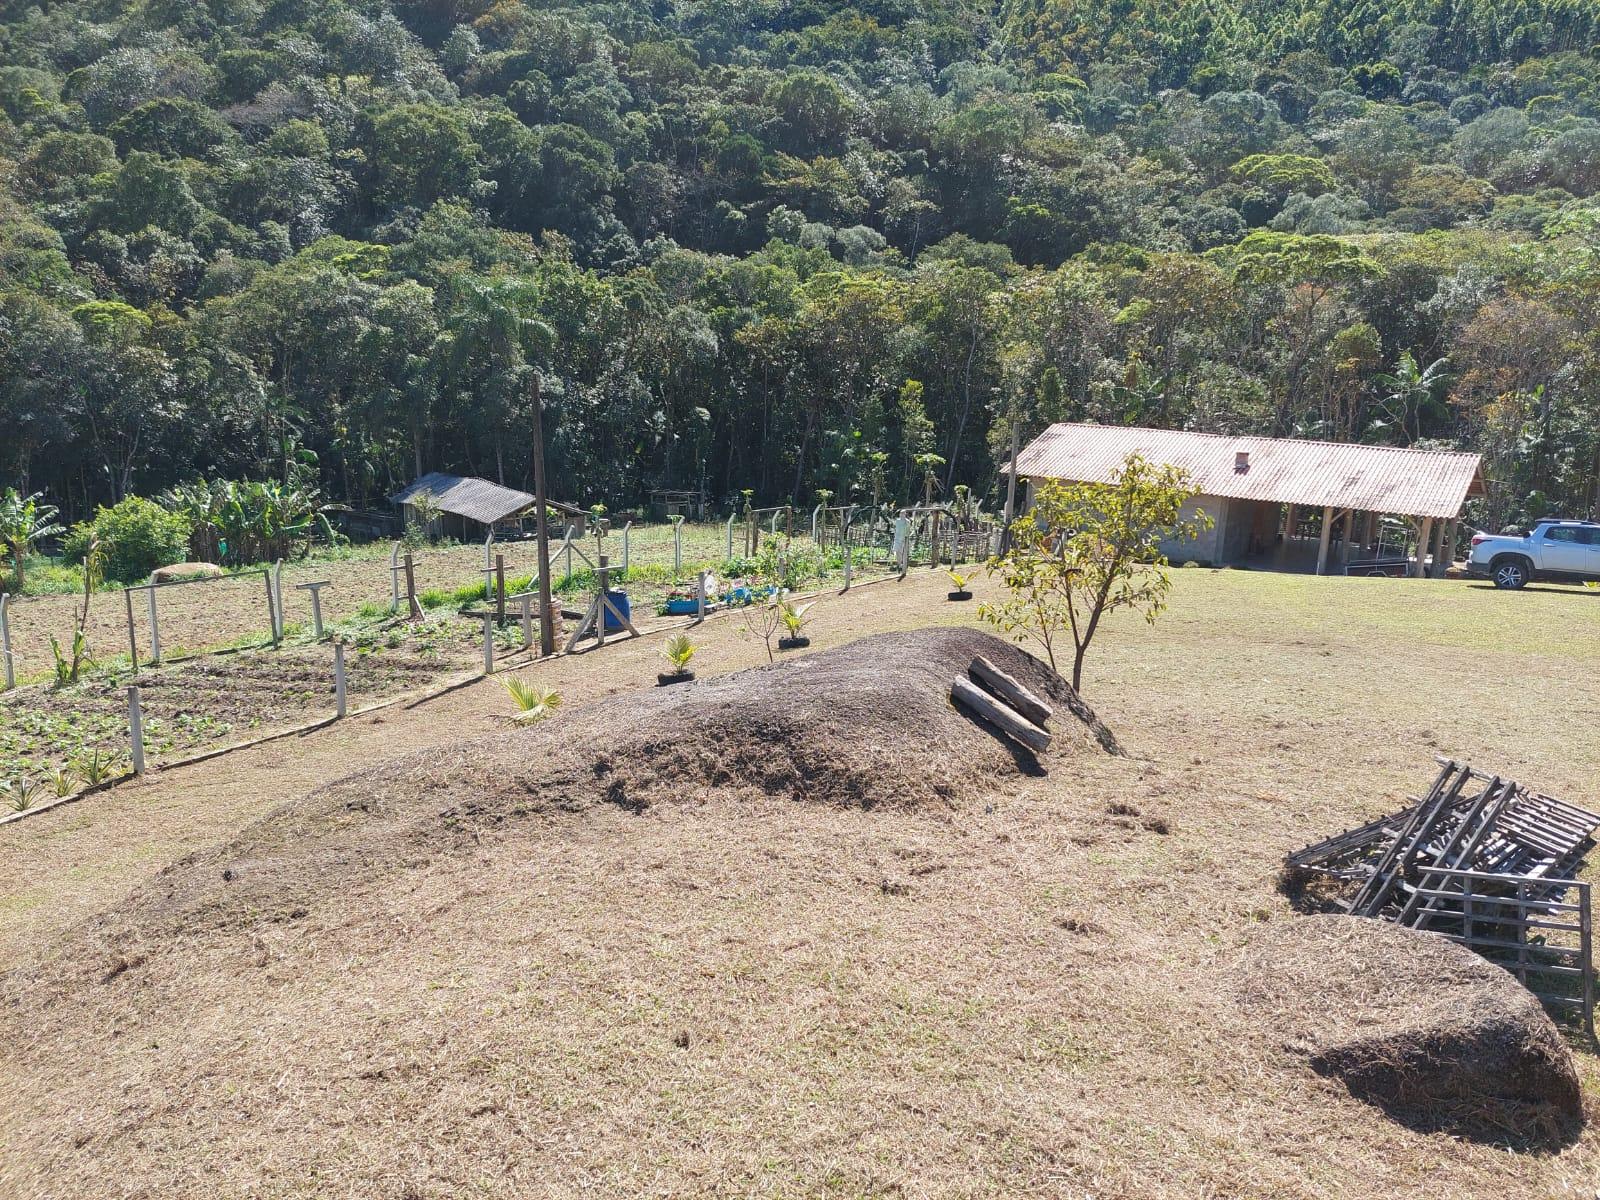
(136, 536)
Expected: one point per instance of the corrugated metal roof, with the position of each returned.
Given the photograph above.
(1386, 479)
(467, 496)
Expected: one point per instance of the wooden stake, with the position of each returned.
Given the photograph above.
(133, 641)
(1014, 726)
(547, 633)
(413, 606)
(7, 667)
(1009, 690)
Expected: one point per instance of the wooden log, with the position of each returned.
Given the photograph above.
(1009, 690)
(1018, 728)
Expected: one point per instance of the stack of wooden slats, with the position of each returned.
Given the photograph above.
(1468, 821)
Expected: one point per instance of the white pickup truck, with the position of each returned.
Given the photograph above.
(1554, 549)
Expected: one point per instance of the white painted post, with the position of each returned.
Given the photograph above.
(135, 729)
(815, 513)
(155, 627)
(316, 609)
(277, 590)
(527, 619)
(394, 578)
(700, 598)
(5, 644)
(625, 530)
(488, 643)
(339, 694)
(677, 546)
(569, 554)
(730, 533)
(773, 527)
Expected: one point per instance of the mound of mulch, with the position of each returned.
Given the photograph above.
(1420, 1026)
(867, 724)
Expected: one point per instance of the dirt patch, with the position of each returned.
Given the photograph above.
(1418, 1025)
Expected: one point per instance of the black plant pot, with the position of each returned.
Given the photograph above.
(958, 595)
(794, 643)
(675, 677)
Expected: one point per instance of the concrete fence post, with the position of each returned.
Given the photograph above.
(700, 598)
(677, 546)
(488, 643)
(135, 729)
(339, 692)
(155, 624)
(625, 558)
(277, 591)
(527, 619)
(394, 579)
(815, 513)
(272, 613)
(7, 666)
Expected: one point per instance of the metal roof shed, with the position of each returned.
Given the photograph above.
(1346, 481)
(467, 496)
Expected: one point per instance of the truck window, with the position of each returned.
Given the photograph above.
(1561, 533)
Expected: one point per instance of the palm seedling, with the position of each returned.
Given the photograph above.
(534, 701)
(678, 651)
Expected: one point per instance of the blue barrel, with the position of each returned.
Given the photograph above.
(619, 601)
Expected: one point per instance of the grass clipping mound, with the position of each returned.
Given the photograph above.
(870, 723)
(1416, 1024)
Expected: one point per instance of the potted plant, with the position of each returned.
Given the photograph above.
(678, 651)
(961, 581)
(794, 620)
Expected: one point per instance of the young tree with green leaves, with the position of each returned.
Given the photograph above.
(1085, 550)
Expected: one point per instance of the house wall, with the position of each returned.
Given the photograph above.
(1204, 548)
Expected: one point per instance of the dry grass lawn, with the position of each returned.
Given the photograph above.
(1018, 995)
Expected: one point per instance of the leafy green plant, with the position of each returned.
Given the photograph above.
(24, 520)
(21, 794)
(794, 616)
(135, 536)
(678, 651)
(534, 701)
(96, 765)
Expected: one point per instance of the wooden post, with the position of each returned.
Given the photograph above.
(339, 692)
(7, 668)
(1424, 539)
(603, 574)
(902, 535)
(394, 579)
(413, 606)
(500, 589)
(133, 641)
(1290, 512)
(135, 729)
(155, 627)
(1322, 545)
(1449, 547)
(788, 521)
(547, 632)
(1011, 480)
(848, 557)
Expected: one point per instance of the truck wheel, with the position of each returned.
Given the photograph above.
(1511, 573)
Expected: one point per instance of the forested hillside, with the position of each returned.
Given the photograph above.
(788, 246)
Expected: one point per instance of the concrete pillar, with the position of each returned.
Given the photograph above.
(1424, 543)
(1327, 535)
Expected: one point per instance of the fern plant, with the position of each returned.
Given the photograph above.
(534, 701)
